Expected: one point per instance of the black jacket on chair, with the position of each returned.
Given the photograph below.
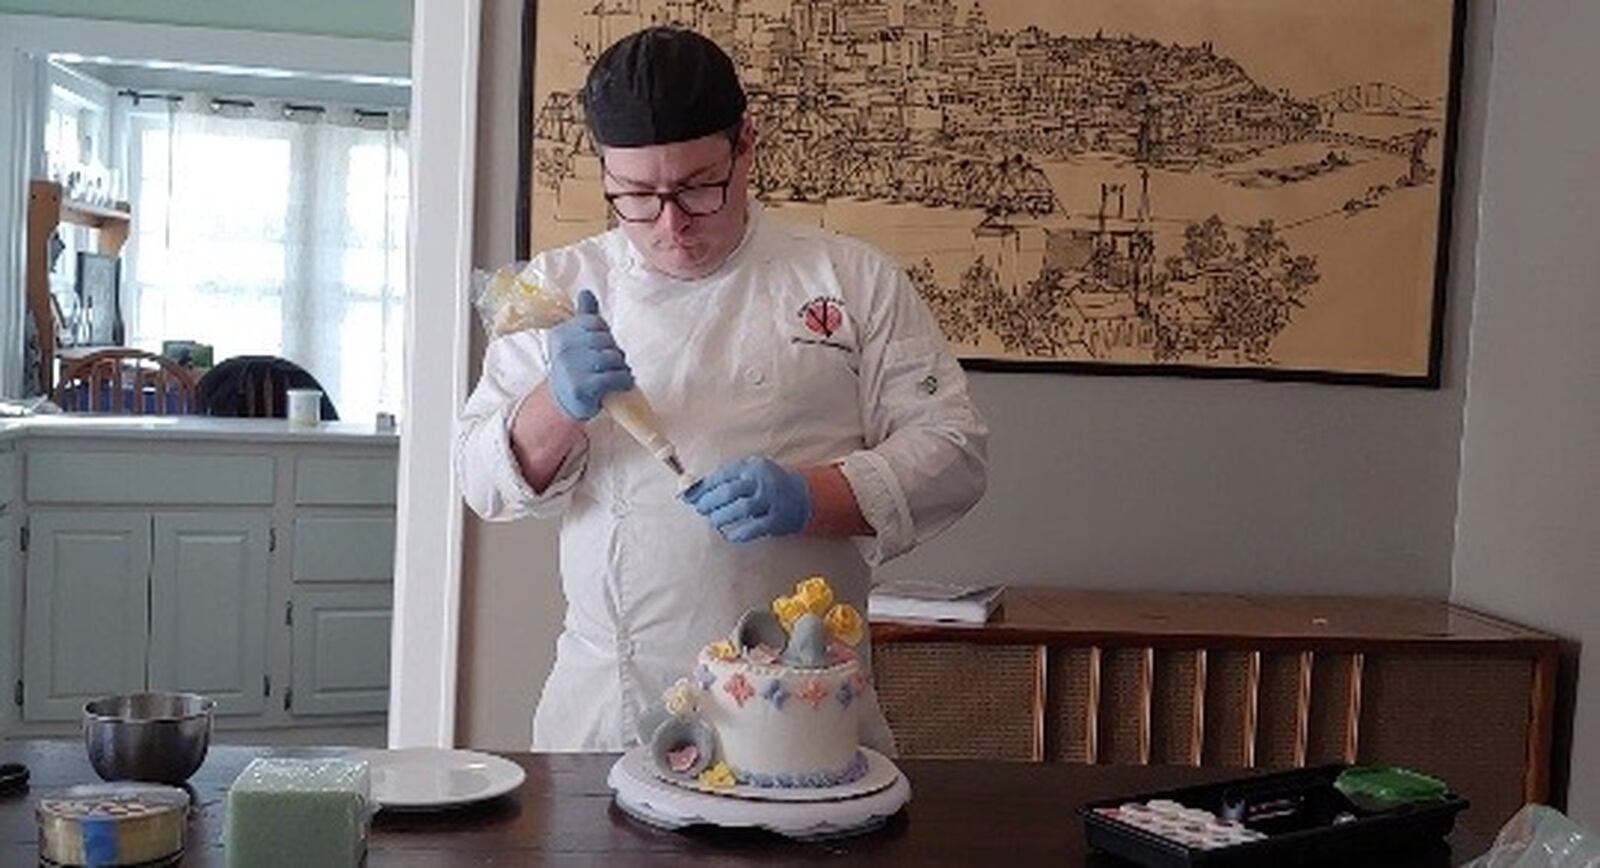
(256, 387)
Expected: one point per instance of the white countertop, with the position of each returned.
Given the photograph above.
(180, 428)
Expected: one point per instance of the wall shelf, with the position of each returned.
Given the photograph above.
(48, 208)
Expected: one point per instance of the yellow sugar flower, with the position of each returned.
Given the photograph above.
(789, 610)
(815, 594)
(844, 622)
(680, 698)
(719, 776)
(722, 649)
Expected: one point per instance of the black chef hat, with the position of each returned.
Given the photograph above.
(661, 85)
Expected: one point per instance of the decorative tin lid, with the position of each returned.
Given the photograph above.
(112, 824)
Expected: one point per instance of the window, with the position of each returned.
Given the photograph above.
(375, 265)
(75, 128)
(263, 235)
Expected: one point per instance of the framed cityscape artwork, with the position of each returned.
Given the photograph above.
(1255, 188)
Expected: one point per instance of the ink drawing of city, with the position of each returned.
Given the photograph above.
(1229, 184)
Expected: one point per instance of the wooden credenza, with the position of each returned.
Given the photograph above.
(1080, 676)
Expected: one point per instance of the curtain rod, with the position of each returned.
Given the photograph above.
(138, 96)
(233, 102)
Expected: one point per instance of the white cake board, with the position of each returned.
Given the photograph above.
(649, 799)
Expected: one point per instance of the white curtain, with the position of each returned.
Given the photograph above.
(272, 230)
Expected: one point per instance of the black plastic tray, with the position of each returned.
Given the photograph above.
(1304, 837)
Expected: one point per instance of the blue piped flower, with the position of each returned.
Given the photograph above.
(845, 694)
(775, 694)
(703, 673)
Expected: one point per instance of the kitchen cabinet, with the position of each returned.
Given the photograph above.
(237, 558)
(87, 586)
(10, 592)
(341, 601)
(208, 608)
(120, 602)
(341, 650)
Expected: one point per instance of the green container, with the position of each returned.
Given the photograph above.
(1380, 788)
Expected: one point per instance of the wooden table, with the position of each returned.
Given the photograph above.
(962, 812)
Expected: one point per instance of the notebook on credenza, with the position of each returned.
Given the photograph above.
(926, 600)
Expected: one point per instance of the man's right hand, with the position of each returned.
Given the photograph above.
(585, 362)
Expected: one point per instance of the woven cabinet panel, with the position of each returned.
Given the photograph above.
(1227, 703)
(1278, 712)
(1329, 729)
(1066, 733)
(1121, 705)
(1460, 717)
(956, 700)
(1172, 708)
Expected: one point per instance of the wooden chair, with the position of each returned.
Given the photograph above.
(126, 380)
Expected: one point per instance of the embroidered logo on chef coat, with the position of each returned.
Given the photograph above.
(822, 317)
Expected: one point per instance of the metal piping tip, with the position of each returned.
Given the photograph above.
(674, 464)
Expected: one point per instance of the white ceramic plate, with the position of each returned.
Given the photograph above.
(430, 778)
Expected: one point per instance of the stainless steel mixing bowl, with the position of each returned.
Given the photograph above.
(156, 737)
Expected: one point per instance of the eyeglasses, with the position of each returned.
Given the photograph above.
(695, 200)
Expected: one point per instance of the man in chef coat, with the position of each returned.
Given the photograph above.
(804, 382)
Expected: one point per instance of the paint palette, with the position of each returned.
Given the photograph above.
(1295, 817)
(1195, 828)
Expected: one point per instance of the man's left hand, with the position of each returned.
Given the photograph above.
(752, 498)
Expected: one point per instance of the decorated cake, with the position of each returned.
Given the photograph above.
(773, 705)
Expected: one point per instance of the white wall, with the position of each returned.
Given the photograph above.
(1095, 482)
(1528, 540)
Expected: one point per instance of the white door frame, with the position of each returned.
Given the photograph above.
(427, 581)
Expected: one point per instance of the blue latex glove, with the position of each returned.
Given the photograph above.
(752, 498)
(585, 362)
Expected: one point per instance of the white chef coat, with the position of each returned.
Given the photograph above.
(804, 346)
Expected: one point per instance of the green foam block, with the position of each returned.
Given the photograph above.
(307, 813)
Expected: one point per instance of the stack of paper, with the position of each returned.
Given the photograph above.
(916, 600)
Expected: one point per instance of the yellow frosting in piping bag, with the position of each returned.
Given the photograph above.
(520, 304)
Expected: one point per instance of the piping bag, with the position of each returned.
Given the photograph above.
(509, 302)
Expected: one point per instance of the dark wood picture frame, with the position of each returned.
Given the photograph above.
(99, 285)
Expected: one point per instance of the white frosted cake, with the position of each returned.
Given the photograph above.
(774, 705)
